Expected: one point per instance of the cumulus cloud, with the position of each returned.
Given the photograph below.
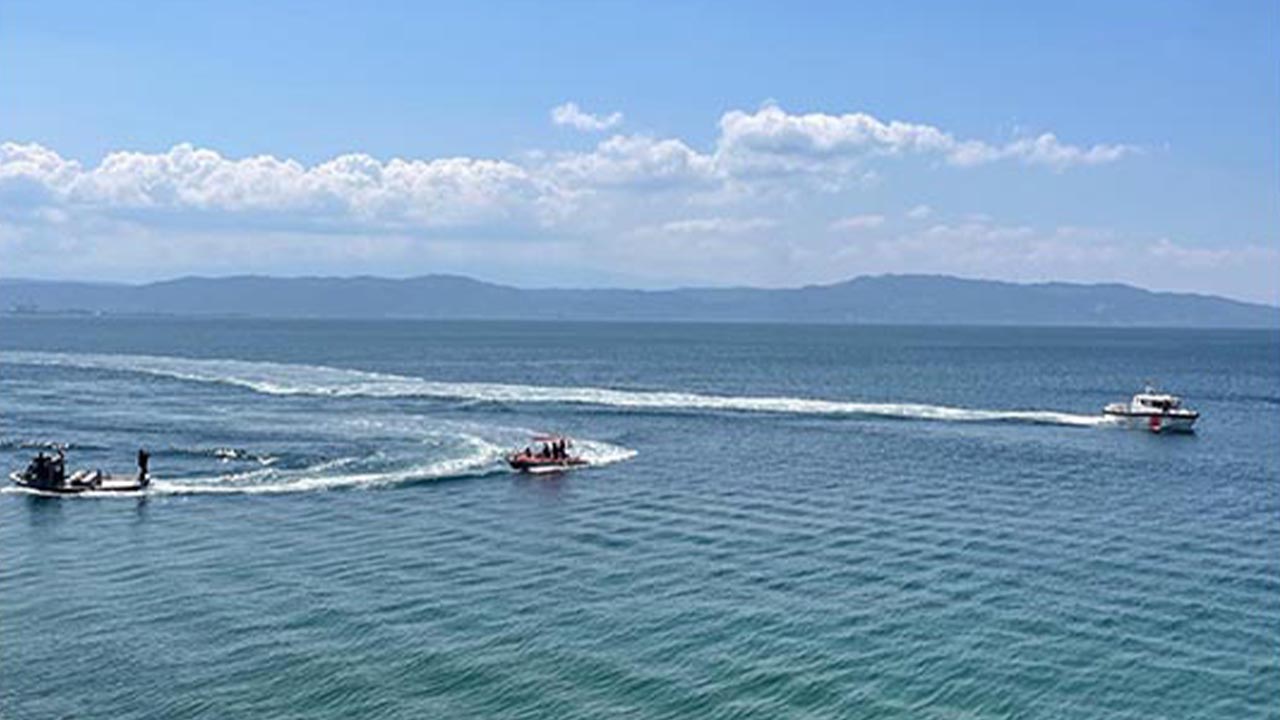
(750, 206)
(570, 115)
(771, 140)
(857, 222)
(351, 189)
(756, 153)
(634, 161)
(1043, 149)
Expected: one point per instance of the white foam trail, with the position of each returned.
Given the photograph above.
(256, 482)
(290, 379)
(480, 460)
(481, 457)
(598, 453)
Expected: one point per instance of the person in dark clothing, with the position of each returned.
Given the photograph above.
(144, 459)
(40, 468)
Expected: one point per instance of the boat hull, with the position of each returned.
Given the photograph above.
(1155, 422)
(102, 483)
(543, 465)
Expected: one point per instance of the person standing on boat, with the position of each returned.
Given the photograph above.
(144, 459)
(59, 469)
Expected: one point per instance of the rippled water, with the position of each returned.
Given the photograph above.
(780, 522)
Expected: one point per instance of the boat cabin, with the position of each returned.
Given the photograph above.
(1157, 401)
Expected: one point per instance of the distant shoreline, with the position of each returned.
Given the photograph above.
(6, 316)
(885, 300)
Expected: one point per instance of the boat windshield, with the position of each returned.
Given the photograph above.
(1159, 402)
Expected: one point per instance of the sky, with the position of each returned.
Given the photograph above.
(645, 144)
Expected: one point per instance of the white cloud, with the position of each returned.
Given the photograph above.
(771, 140)
(569, 114)
(756, 156)
(744, 208)
(347, 190)
(771, 130)
(635, 161)
(35, 163)
(718, 226)
(1043, 149)
(857, 222)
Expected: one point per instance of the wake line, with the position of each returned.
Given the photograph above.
(480, 459)
(315, 380)
(483, 459)
(474, 466)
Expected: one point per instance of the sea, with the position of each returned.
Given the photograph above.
(777, 522)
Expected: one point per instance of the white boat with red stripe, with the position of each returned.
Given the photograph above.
(1155, 411)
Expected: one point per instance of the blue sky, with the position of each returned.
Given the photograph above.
(712, 143)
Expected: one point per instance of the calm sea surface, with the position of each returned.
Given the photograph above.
(782, 522)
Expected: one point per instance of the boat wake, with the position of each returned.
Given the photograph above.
(477, 457)
(224, 454)
(313, 380)
(481, 459)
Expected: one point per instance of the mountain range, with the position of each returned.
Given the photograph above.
(882, 299)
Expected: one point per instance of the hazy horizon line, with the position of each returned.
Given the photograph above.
(662, 288)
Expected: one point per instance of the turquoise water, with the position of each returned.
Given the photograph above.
(781, 522)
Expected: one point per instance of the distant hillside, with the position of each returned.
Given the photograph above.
(885, 299)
